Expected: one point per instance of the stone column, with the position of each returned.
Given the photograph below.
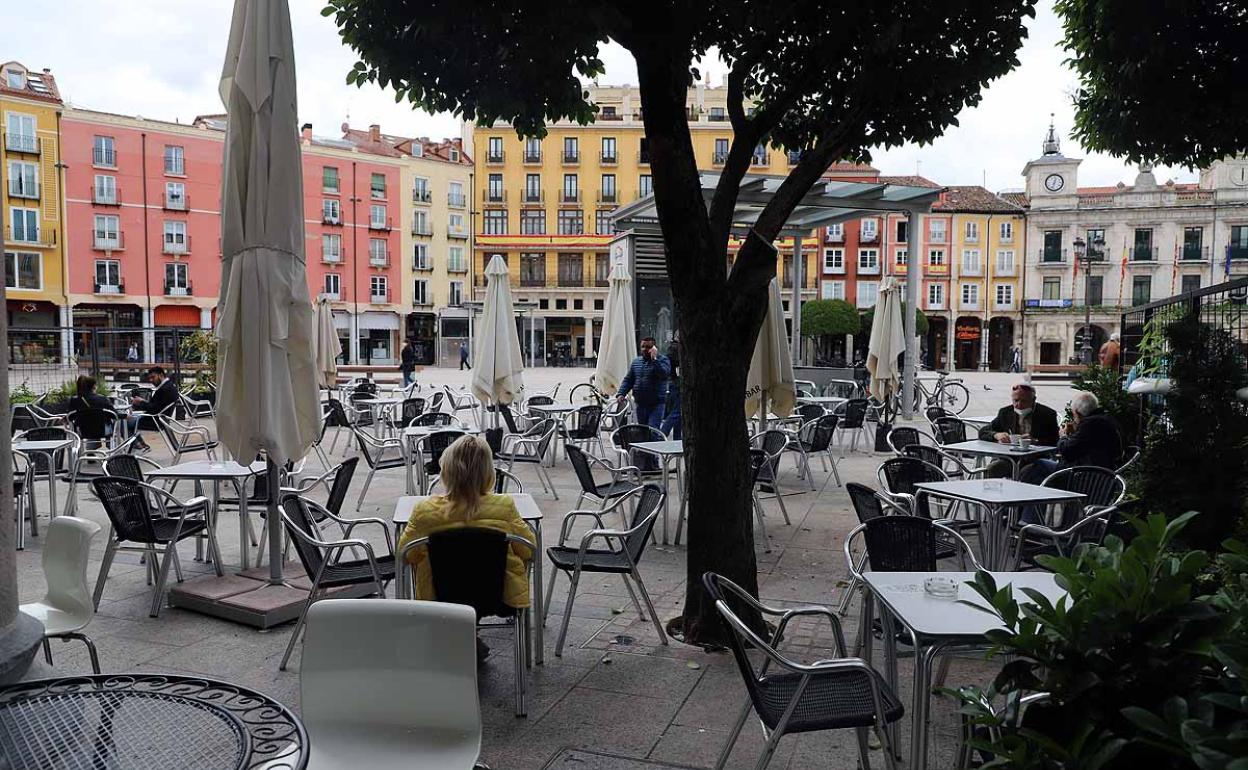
(205, 318)
(67, 334)
(589, 337)
(983, 345)
(149, 336)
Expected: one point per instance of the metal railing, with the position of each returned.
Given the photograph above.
(1222, 306)
(1194, 253)
(19, 189)
(607, 158)
(104, 197)
(110, 288)
(532, 156)
(43, 237)
(104, 241)
(421, 196)
(177, 202)
(494, 196)
(1050, 257)
(495, 157)
(27, 143)
(457, 200)
(384, 226)
(1143, 253)
(174, 290)
(176, 247)
(102, 157)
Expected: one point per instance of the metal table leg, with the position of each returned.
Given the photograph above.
(666, 474)
(538, 596)
(406, 447)
(244, 539)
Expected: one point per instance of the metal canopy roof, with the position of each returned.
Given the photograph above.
(825, 204)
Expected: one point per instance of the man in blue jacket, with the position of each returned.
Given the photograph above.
(647, 380)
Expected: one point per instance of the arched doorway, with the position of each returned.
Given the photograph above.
(967, 334)
(937, 342)
(1099, 335)
(1000, 343)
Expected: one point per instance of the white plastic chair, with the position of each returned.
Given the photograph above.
(368, 681)
(67, 608)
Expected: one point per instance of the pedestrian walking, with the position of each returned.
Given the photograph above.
(463, 356)
(407, 365)
(647, 380)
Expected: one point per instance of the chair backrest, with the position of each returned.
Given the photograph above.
(588, 420)
(93, 424)
(435, 401)
(435, 444)
(1101, 488)
(541, 400)
(625, 436)
(934, 413)
(649, 503)
(758, 462)
(335, 414)
(66, 550)
(900, 544)
(900, 474)
(901, 437)
(867, 504)
(301, 525)
(125, 502)
(841, 389)
(546, 429)
(855, 414)
(509, 418)
(731, 601)
(772, 442)
(810, 412)
(363, 661)
(411, 409)
(433, 419)
(926, 453)
(581, 466)
(124, 465)
(820, 435)
(1129, 455)
(949, 430)
(342, 480)
(505, 482)
(469, 566)
(365, 388)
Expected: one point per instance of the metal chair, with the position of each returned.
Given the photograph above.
(129, 505)
(949, 429)
(531, 448)
(433, 420)
(616, 414)
(435, 401)
(844, 693)
(89, 464)
(868, 504)
(66, 607)
(903, 436)
(195, 408)
(337, 495)
(621, 555)
(810, 412)
(504, 483)
(854, 418)
(461, 402)
(182, 437)
(952, 465)
(528, 416)
(62, 460)
(409, 410)
(775, 443)
(322, 559)
(23, 494)
(468, 566)
(759, 460)
(586, 428)
(815, 438)
(846, 389)
(433, 445)
(934, 413)
(93, 426)
(899, 476)
(622, 440)
(376, 454)
(583, 465)
(1129, 455)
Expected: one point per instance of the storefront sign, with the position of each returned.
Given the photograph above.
(1049, 303)
(966, 332)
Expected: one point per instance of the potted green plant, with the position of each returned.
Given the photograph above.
(200, 348)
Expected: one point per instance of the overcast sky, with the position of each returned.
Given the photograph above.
(162, 59)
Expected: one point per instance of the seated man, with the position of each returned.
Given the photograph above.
(1023, 417)
(165, 393)
(1091, 439)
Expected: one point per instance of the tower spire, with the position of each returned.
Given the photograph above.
(1051, 145)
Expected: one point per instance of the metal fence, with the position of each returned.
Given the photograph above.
(1223, 306)
(45, 358)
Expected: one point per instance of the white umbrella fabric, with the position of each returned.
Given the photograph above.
(498, 367)
(619, 330)
(770, 385)
(267, 392)
(888, 341)
(327, 346)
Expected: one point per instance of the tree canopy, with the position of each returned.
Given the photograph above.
(822, 317)
(1159, 80)
(920, 320)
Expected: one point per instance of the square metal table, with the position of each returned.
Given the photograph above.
(559, 412)
(665, 451)
(217, 471)
(49, 449)
(415, 433)
(828, 402)
(994, 495)
(935, 624)
(532, 515)
(1015, 455)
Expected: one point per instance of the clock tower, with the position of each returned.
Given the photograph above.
(1052, 179)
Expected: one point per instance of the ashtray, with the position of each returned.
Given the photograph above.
(941, 587)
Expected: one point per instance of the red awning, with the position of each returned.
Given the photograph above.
(177, 315)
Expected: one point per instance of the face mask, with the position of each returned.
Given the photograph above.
(1023, 412)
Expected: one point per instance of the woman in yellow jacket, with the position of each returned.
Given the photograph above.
(468, 476)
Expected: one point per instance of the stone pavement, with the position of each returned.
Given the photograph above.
(617, 698)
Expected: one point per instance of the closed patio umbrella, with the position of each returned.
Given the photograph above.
(770, 386)
(327, 346)
(497, 369)
(268, 390)
(888, 341)
(619, 332)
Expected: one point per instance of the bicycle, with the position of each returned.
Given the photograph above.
(588, 393)
(949, 394)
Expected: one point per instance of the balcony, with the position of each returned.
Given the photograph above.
(868, 269)
(834, 268)
(177, 202)
(494, 196)
(717, 115)
(1003, 272)
(532, 157)
(570, 196)
(534, 196)
(935, 269)
(44, 238)
(970, 271)
(970, 238)
(421, 302)
(381, 259)
(1143, 253)
(456, 200)
(422, 263)
(1237, 253)
(331, 257)
(935, 304)
(869, 236)
(332, 296)
(331, 219)
(422, 229)
(605, 196)
(27, 143)
(103, 158)
(17, 189)
(421, 195)
(386, 226)
(612, 115)
(106, 241)
(831, 236)
(495, 158)
(1195, 253)
(643, 157)
(1051, 258)
(173, 290)
(456, 232)
(110, 288)
(176, 248)
(965, 305)
(607, 159)
(106, 197)
(719, 158)
(379, 299)
(938, 237)
(571, 158)
(460, 266)
(760, 160)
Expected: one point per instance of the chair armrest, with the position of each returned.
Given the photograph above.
(571, 516)
(164, 497)
(826, 612)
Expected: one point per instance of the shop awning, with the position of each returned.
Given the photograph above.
(176, 315)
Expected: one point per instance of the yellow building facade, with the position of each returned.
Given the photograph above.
(32, 198)
(545, 207)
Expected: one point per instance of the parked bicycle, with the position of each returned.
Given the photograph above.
(949, 394)
(588, 393)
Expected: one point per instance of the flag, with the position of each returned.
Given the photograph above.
(1122, 273)
(1174, 268)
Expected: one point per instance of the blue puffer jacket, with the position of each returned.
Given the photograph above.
(647, 380)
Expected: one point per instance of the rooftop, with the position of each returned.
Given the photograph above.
(975, 199)
(16, 79)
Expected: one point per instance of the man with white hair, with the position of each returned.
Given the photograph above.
(1110, 351)
(1092, 438)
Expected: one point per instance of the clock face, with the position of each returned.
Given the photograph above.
(1239, 176)
(1054, 182)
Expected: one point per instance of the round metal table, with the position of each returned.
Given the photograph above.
(143, 721)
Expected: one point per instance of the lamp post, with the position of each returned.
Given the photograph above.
(1084, 252)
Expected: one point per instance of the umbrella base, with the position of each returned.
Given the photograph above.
(248, 598)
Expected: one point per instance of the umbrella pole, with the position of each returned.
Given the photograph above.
(273, 522)
(762, 412)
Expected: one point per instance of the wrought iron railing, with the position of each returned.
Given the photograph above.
(1224, 306)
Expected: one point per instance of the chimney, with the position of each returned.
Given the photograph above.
(374, 132)
(306, 131)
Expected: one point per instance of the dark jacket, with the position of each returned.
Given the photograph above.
(90, 401)
(647, 380)
(1043, 425)
(1094, 442)
(164, 395)
(87, 416)
(408, 358)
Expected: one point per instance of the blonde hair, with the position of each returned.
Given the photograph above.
(467, 474)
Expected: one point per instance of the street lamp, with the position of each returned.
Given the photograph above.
(1084, 253)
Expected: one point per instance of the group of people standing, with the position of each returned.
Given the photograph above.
(654, 381)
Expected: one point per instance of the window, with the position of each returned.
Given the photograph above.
(333, 285)
(175, 196)
(15, 79)
(455, 262)
(420, 292)
(571, 270)
(935, 296)
(107, 276)
(331, 248)
(644, 186)
(23, 179)
(869, 260)
(455, 193)
(329, 180)
(602, 223)
(868, 292)
(608, 188)
(608, 149)
(379, 288)
(377, 252)
(25, 225)
(176, 281)
(1143, 251)
(718, 114)
(1193, 238)
(901, 257)
(532, 150)
(107, 232)
(420, 190)
(602, 268)
(1141, 290)
(1237, 248)
(570, 192)
(105, 189)
(834, 233)
(493, 189)
(643, 154)
(532, 222)
(175, 238)
(721, 151)
(869, 230)
(936, 257)
(1095, 240)
(494, 153)
(833, 261)
(970, 261)
(903, 230)
(20, 134)
(759, 158)
(1007, 232)
(377, 216)
(494, 221)
(972, 232)
(571, 222)
(937, 230)
(1190, 283)
(175, 160)
(455, 225)
(1005, 295)
(331, 211)
(1005, 262)
(832, 290)
(1052, 289)
(455, 295)
(23, 270)
(377, 186)
(533, 188)
(103, 150)
(970, 295)
(420, 223)
(533, 269)
(1095, 290)
(571, 149)
(420, 257)
(1053, 251)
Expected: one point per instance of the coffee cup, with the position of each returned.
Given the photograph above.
(1015, 439)
(1024, 442)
